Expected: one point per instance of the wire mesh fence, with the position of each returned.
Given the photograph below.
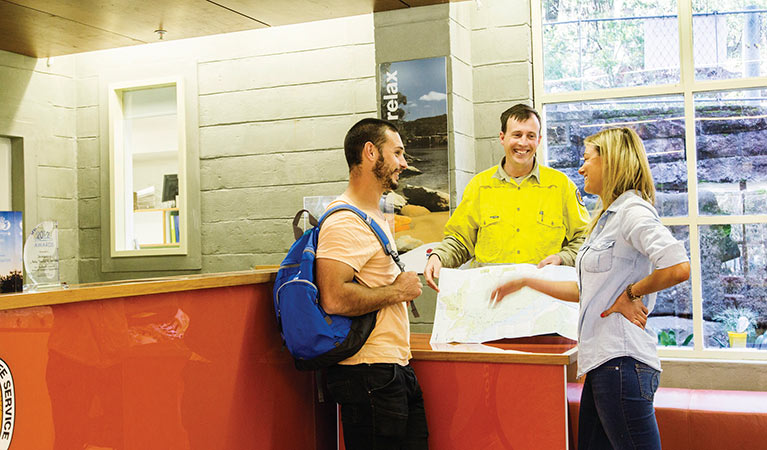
(638, 50)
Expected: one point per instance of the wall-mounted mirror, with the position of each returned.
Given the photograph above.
(5, 174)
(147, 164)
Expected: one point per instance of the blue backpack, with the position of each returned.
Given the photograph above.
(314, 338)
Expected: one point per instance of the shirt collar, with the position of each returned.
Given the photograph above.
(623, 198)
(502, 175)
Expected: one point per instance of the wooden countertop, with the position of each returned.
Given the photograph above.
(547, 350)
(129, 288)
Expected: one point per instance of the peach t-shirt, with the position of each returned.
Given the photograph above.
(346, 238)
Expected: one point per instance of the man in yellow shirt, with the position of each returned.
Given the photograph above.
(381, 402)
(515, 212)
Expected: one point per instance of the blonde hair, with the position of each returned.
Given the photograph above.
(624, 167)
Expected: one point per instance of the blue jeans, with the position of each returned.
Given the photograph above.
(616, 409)
(381, 406)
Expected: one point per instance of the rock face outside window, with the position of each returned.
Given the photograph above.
(731, 154)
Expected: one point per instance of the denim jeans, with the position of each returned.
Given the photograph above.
(616, 409)
(381, 406)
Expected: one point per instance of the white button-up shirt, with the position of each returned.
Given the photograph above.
(627, 244)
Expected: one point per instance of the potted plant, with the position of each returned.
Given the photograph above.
(739, 323)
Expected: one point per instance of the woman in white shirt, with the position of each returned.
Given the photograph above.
(628, 256)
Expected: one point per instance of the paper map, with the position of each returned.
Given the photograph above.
(465, 313)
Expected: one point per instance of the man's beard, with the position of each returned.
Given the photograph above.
(384, 175)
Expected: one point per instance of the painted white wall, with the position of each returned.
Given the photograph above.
(5, 174)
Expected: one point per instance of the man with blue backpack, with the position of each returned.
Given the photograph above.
(381, 402)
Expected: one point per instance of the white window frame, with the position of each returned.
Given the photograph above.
(687, 87)
(117, 172)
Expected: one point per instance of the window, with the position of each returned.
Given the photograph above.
(595, 45)
(691, 78)
(729, 39)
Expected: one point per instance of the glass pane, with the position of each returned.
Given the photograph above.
(731, 135)
(671, 318)
(5, 174)
(599, 44)
(148, 183)
(729, 38)
(734, 283)
(659, 121)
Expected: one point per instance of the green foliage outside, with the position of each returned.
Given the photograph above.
(583, 53)
(668, 338)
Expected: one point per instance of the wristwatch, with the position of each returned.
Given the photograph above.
(630, 294)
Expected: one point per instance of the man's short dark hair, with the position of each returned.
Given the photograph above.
(366, 130)
(519, 112)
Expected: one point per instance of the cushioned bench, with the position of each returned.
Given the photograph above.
(692, 419)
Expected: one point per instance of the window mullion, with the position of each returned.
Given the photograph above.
(686, 63)
(624, 92)
(687, 78)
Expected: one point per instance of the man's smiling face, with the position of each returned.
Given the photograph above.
(519, 142)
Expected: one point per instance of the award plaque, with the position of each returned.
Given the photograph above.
(41, 256)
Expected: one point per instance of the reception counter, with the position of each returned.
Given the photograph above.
(196, 362)
(508, 394)
(191, 362)
(480, 398)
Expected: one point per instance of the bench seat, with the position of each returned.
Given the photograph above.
(695, 419)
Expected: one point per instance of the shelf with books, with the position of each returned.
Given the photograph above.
(157, 227)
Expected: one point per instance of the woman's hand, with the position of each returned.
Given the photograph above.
(507, 288)
(635, 312)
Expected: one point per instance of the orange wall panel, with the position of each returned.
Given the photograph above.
(197, 369)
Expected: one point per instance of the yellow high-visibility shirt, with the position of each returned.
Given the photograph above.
(501, 222)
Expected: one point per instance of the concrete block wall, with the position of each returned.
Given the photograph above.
(461, 101)
(501, 50)
(272, 125)
(274, 106)
(89, 178)
(38, 110)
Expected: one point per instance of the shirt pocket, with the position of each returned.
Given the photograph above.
(490, 236)
(550, 226)
(598, 257)
(490, 218)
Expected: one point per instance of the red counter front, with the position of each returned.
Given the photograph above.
(483, 400)
(197, 363)
(181, 363)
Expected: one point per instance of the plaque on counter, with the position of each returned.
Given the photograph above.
(41, 256)
(11, 238)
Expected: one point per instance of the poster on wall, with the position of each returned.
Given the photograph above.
(413, 96)
(11, 238)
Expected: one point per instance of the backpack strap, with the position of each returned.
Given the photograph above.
(297, 231)
(379, 233)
